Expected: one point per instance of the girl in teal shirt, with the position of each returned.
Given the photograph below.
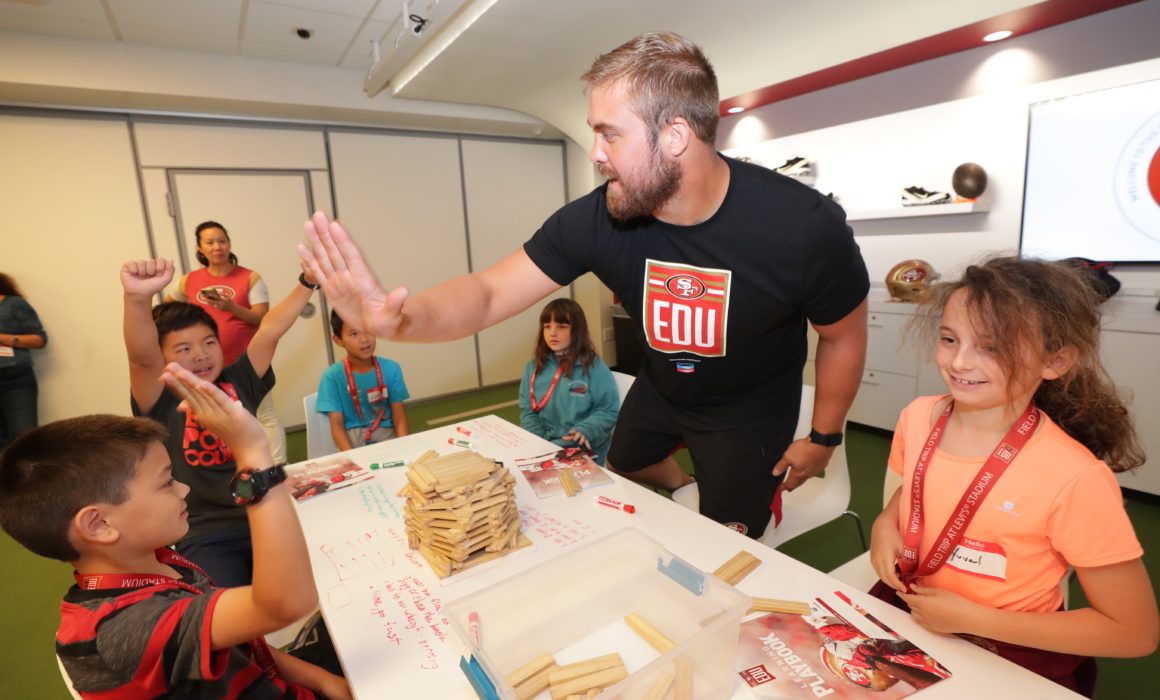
(567, 394)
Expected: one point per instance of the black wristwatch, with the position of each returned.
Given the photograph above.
(302, 281)
(249, 485)
(831, 440)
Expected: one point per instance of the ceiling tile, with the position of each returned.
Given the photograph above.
(180, 40)
(218, 18)
(350, 8)
(389, 10)
(274, 25)
(75, 18)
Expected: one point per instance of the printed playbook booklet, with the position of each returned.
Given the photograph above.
(323, 475)
(837, 651)
(543, 471)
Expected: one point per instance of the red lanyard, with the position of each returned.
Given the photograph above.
(353, 389)
(965, 511)
(538, 406)
(95, 582)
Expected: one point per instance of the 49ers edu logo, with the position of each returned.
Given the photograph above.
(686, 308)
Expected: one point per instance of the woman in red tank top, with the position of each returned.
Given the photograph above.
(233, 295)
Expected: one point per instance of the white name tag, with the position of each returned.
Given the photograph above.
(980, 558)
(6, 351)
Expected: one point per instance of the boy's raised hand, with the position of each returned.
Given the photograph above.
(351, 288)
(146, 277)
(221, 414)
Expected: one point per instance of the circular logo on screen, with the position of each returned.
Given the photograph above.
(1137, 181)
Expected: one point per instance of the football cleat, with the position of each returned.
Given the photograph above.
(916, 196)
(794, 167)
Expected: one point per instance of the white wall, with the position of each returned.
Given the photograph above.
(913, 126)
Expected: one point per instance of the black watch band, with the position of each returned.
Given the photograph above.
(248, 486)
(831, 440)
(302, 281)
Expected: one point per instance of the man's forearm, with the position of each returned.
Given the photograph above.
(451, 310)
(838, 364)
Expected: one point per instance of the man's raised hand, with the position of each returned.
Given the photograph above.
(351, 288)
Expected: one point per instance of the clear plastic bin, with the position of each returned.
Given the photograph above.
(573, 607)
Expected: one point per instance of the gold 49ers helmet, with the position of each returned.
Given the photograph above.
(908, 280)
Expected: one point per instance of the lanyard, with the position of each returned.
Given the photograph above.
(965, 511)
(538, 406)
(94, 582)
(353, 389)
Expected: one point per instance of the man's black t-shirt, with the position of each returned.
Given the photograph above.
(720, 306)
(202, 460)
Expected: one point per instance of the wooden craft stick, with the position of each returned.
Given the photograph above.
(570, 483)
(660, 686)
(737, 568)
(773, 605)
(600, 679)
(530, 669)
(534, 685)
(683, 688)
(582, 668)
(650, 634)
(593, 692)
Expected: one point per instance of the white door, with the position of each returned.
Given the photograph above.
(263, 210)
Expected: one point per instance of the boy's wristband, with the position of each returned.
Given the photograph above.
(302, 281)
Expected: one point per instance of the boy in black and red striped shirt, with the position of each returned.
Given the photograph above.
(98, 492)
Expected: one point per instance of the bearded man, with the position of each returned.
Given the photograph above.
(720, 263)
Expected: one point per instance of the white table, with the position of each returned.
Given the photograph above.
(383, 603)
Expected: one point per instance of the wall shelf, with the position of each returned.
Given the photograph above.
(921, 210)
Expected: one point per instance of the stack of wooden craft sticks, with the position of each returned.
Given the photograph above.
(460, 510)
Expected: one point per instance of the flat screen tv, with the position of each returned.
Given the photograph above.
(1092, 186)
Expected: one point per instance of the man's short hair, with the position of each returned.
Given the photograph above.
(50, 473)
(665, 76)
(173, 316)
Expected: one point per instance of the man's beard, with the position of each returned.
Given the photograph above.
(661, 179)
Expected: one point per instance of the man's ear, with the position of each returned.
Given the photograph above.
(1060, 362)
(677, 136)
(89, 525)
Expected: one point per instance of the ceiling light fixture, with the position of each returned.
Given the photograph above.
(998, 36)
(735, 110)
(471, 11)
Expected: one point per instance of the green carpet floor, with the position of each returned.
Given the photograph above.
(32, 586)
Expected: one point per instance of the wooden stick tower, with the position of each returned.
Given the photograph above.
(460, 510)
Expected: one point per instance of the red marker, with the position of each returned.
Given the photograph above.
(606, 501)
(473, 626)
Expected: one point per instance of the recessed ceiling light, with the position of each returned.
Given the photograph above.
(998, 36)
(735, 110)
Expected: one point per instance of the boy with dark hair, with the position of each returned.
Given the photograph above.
(363, 394)
(218, 538)
(98, 492)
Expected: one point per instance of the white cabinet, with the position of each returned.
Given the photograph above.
(890, 379)
(1131, 354)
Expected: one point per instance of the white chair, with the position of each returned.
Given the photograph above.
(814, 503)
(319, 442)
(858, 573)
(623, 384)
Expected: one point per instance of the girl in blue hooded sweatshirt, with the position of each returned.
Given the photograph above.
(567, 394)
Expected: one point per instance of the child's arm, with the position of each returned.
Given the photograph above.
(338, 430)
(1121, 622)
(399, 418)
(598, 424)
(886, 543)
(274, 325)
(283, 590)
(141, 279)
(316, 678)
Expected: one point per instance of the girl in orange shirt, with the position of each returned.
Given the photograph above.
(1006, 480)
